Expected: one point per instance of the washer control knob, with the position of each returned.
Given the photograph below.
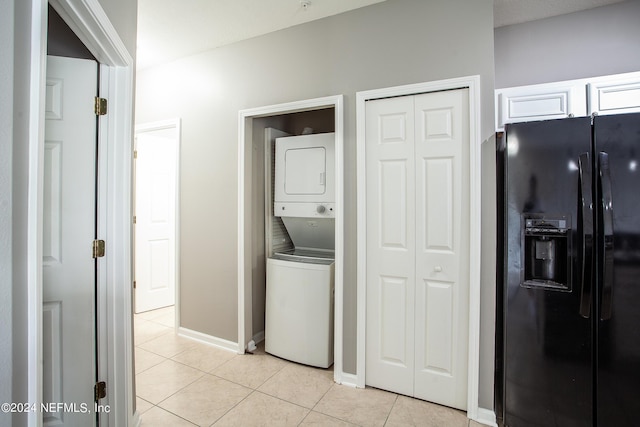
(321, 209)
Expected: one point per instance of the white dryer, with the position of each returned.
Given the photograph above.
(305, 176)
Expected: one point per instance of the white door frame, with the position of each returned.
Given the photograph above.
(473, 84)
(245, 153)
(151, 127)
(115, 355)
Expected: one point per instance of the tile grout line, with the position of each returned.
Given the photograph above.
(234, 382)
(173, 394)
(325, 393)
(234, 406)
(255, 390)
(386, 420)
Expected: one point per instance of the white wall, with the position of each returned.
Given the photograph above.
(589, 43)
(391, 43)
(15, 104)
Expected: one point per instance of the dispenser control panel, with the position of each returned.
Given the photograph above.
(546, 253)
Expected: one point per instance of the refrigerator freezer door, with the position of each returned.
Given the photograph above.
(618, 336)
(547, 352)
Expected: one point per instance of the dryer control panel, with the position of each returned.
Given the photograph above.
(305, 210)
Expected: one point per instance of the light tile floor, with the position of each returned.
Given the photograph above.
(180, 382)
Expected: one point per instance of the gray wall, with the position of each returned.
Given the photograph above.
(15, 103)
(392, 43)
(590, 43)
(123, 14)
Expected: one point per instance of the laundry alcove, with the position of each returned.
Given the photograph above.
(321, 115)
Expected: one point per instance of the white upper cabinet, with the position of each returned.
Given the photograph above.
(540, 102)
(614, 94)
(573, 98)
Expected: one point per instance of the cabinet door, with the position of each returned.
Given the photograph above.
(540, 102)
(615, 94)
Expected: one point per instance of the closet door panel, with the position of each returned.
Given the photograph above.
(390, 244)
(442, 194)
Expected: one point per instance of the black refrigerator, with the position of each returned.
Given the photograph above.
(568, 298)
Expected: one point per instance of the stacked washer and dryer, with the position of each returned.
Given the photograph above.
(300, 281)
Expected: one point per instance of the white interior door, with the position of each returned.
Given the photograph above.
(417, 245)
(155, 227)
(69, 317)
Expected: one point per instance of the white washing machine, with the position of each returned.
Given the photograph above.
(299, 307)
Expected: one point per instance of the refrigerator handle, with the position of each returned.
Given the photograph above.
(607, 241)
(586, 215)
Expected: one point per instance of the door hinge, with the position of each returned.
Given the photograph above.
(134, 284)
(99, 391)
(134, 219)
(100, 106)
(135, 154)
(98, 248)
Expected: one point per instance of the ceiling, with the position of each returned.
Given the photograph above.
(167, 30)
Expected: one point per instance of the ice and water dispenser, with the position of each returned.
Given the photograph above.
(546, 254)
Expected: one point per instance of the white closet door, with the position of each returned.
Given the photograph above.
(390, 244)
(417, 245)
(442, 247)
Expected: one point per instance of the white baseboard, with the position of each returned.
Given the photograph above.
(136, 420)
(208, 339)
(486, 417)
(347, 379)
(259, 337)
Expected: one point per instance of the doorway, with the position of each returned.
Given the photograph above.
(251, 139)
(156, 215)
(69, 223)
(113, 304)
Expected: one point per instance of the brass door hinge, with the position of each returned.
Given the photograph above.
(99, 391)
(98, 248)
(100, 106)
(135, 154)
(134, 284)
